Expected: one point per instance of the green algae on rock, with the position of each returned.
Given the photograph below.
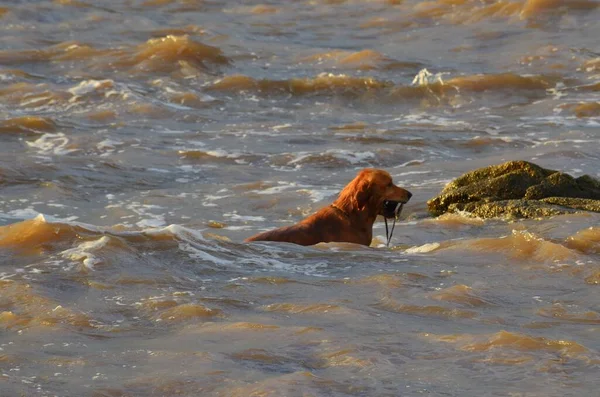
(517, 189)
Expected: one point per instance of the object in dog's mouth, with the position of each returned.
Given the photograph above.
(391, 209)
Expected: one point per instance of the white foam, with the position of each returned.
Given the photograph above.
(188, 239)
(425, 77)
(179, 231)
(172, 132)
(281, 126)
(186, 143)
(223, 154)
(276, 189)
(197, 253)
(25, 213)
(143, 210)
(212, 197)
(422, 249)
(350, 156)
(30, 213)
(159, 170)
(89, 86)
(85, 252)
(427, 119)
(193, 169)
(108, 144)
(52, 143)
(413, 173)
(559, 142)
(158, 221)
(38, 101)
(318, 269)
(411, 162)
(237, 217)
(238, 227)
(319, 195)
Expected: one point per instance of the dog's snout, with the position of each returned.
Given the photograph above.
(406, 196)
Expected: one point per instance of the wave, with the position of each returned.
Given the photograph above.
(435, 92)
(505, 340)
(27, 124)
(472, 11)
(166, 54)
(520, 245)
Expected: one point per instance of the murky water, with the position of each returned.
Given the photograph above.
(154, 136)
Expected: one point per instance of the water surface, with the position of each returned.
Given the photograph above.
(142, 141)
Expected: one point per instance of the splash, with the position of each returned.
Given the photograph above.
(425, 78)
(85, 252)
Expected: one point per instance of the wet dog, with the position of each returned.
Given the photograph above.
(350, 218)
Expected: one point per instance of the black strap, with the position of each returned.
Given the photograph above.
(389, 236)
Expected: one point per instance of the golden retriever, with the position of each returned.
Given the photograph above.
(350, 218)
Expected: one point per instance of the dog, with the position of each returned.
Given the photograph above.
(351, 216)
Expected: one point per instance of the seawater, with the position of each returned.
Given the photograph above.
(142, 141)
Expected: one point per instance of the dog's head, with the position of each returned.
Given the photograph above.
(374, 190)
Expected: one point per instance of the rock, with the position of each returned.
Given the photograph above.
(518, 189)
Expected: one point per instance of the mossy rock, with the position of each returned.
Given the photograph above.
(519, 189)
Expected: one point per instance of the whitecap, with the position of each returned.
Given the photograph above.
(89, 86)
(237, 217)
(425, 77)
(422, 249)
(52, 143)
(197, 253)
(181, 232)
(153, 222)
(319, 195)
(24, 213)
(108, 144)
(85, 252)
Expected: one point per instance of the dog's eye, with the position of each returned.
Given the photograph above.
(390, 184)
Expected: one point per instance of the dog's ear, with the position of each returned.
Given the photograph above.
(357, 194)
(363, 192)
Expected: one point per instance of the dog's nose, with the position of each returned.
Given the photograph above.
(408, 195)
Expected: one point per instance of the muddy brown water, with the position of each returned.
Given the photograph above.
(142, 141)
